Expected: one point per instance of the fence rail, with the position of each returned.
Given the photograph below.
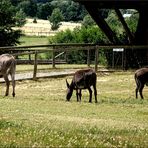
(23, 61)
(70, 45)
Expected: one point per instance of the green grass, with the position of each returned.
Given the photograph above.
(48, 67)
(39, 116)
(33, 40)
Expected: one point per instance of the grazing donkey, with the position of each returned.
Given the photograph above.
(7, 66)
(82, 79)
(141, 78)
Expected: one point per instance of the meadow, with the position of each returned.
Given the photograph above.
(43, 27)
(39, 115)
(33, 40)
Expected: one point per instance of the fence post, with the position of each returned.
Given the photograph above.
(88, 58)
(113, 60)
(29, 56)
(125, 59)
(53, 58)
(35, 66)
(96, 59)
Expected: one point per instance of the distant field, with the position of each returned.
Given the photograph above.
(33, 40)
(43, 27)
(39, 116)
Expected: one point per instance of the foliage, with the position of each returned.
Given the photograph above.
(8, 20)
(20, 18)
(117, 27)
(88, 21)
(29, 7)
(44, 10)
(71, 10)
(55, 19)
(82, 34)
(15, 2)
(132, 22)
(90, 34)
(104, 12)
(114, 23)
(43, 1)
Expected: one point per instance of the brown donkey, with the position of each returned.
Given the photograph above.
(82, 79)
(141, 78)
(8, 66)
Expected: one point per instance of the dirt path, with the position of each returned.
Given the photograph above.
(29, 75)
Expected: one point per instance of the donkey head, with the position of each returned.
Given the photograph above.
(69, 91)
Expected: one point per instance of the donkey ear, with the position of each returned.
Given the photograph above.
(67, 83)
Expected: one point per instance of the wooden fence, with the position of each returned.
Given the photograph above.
(35, 50)
(28, 50)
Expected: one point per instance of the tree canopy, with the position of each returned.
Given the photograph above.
(42, 9)
(8, 20)
(55, 18)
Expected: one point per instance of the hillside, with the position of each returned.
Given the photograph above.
(43, 27)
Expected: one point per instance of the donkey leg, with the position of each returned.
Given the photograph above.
(140, 90)
(80, 94)
(90, 95)
(13, 84)
(77, 94)
(95, 93)
(137, 87)
(136, 92)
(7, 85)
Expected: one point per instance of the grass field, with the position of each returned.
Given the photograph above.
(39, 116)
(49, 68)
(33, 40)
(43, 27)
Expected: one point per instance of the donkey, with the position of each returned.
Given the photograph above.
(8, 66)
(141, 78)
(82, 79)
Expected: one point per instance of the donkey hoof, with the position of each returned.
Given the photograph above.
(6, 95)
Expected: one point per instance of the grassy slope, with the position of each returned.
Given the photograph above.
(39, 115)
(33, 40)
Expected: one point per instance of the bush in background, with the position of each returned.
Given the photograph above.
(82, 34)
